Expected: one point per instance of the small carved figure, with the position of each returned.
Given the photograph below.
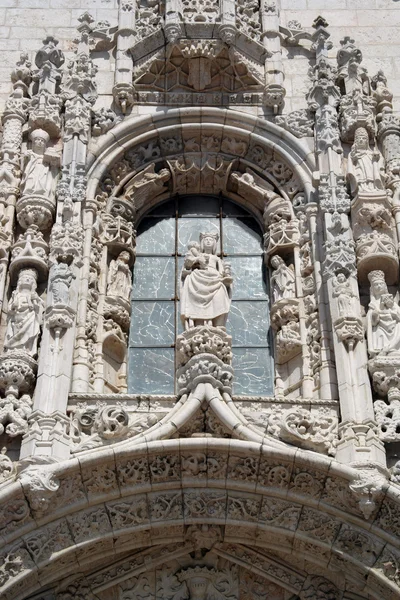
(383, 317)
(365, 166)
(39, 176)
(25, 314)
(344, 294)
(119, 277)
(207, 281)
(60, 281)
(282, 280)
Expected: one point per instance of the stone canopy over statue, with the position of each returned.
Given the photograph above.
(206, 284)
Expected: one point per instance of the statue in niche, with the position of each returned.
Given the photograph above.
(25, 314)
(365, 166)
(60, 281)
(40, 166)
(344, 294)
(383, 317)
(206, 284)
(119, 281)
(283, 283)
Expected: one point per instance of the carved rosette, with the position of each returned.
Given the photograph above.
(205, 356)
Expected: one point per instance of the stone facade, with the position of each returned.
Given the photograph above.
(287, 111)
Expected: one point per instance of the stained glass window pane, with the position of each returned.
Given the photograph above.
(152, 324)
(241, 236)
(154, 277)
(157, 236)
(189, 230)
(248, 323)
(253, 372)
(248, 279)
(151, 371)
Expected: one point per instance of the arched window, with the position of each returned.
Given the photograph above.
(163, 236)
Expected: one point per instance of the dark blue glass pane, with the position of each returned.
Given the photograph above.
(199, 205)
(253, 372)
(154, 277)
(156, 236)
(248, 323)
(152, 324)
(151, 371)
(241, 236)
(248, 277)
(189, 230)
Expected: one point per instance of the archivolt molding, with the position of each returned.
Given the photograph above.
(185, 124)
(107, 502)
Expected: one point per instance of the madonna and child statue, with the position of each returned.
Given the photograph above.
(206, 284)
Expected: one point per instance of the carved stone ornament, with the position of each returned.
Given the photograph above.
(377, 251)
(66, 242)
(356, 110)
(383, 317)
(298, 122)
(339, 256)
(311, 431)
(204, 270)
(30, 250)
(104, 425)
(25, 315)
(204, 368)
(37, 203)
(204, 339)
(283, 283)
(366, 171)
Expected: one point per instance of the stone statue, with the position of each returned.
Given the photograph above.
(344, 294)
(25, 314)
(206, 284)
(365, 166)
(60, 281)
(383, 317)
(119, 277)
(282, 279)
(39, 176)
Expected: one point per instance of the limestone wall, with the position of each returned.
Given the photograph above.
(373, 23)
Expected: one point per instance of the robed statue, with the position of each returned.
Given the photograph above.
(25, 314)
(206, 284)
